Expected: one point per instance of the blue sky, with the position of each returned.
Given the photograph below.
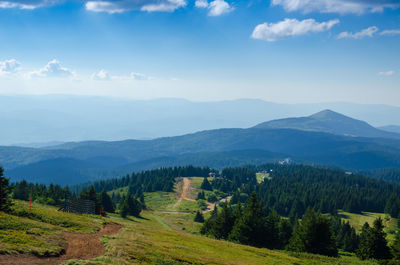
(281, 50)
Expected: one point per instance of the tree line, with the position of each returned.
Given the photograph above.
(313, 233)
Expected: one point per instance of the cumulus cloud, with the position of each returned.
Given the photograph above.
(390, 32)
(368, 32)
(101, 75)
(336, 6)
(290, 27)
(201, 4)
(215, 8)
(52, 69)
(27, 4)
(120, 6)
(9, 66)
(387, 73)
(139, 76)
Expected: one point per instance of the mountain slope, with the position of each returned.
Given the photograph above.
(330, 122)
(86, 161)
(390, 128)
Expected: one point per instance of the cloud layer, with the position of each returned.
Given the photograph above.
(336, 6)
(215, 8)
(28, 4)
(368, 32)
(121, 6)
(290, 27)
(387, 73)
(52, 69)
(9, 66)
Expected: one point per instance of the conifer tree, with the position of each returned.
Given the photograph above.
(285, 233)
(199, 218)
(5, 200)
(250, 228)
(395, 247)
(373, 242)
(313, 234)
(224, 222)
(206, 185)
(106, 202)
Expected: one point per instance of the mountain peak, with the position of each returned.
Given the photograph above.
(328, 114)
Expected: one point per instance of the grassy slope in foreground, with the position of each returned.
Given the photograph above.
(146, 240)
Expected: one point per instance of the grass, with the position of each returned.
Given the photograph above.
(40, 231)
(358, 220)
(261, 176)
(146, 240)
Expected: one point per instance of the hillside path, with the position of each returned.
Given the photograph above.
(79, 246)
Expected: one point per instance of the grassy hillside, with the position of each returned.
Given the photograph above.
(40, 231)
(152, 239)
(358, 220)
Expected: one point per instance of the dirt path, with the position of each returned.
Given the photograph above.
(79, 246)
(186, 190)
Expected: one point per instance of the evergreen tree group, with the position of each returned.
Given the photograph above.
(129, 205)
(5, 191)
(313, 234)
(248, 225)
(373, 242)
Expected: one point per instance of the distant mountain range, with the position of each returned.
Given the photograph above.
(38, 121)
(325, 138)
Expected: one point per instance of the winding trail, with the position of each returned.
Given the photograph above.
(79, 246)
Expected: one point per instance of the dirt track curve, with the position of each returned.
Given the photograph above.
(79, 246)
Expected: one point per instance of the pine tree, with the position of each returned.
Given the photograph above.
(206, 185)
(124, 208)
(224, 222)
(106, 202)
(373, 242)
(201, 196)
(272, 230)
(313, 234)
(285, 233)
(199, 217)
(250, 228)
(5, 191)
(395, 247)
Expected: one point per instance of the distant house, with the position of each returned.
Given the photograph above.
(211, 174)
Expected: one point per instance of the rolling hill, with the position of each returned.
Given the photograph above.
(72, 163)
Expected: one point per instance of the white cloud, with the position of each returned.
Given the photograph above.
(27, 4)
(215, 8)
(390, 32)
(101, 75)
(139, 76)
(368, 32)
(52, 69)
(336, 6)
(201, 3)
(121, 6)
(290, 27)
(388, 73)
(9, 66)
(100, 6)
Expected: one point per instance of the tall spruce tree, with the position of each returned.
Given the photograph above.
(205, 185)
(250, 228)
(395, 247)
(5, 191)
(313, 234)
(106, 202)
(224, 222)
(373, 242)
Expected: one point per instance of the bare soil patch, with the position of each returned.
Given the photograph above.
(79, 246)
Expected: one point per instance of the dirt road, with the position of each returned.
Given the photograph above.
(79, 246)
